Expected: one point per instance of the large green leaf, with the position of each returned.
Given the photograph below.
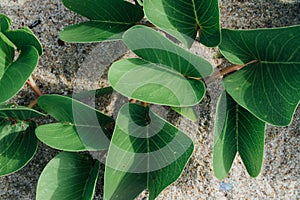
(17, 145)
(24, 37)
(166, 74)
(7, 52)
(183, 18)
(146, 152)
(237, 130)
(69, 176)
(108, 20)
(18, 72)
(270, 88)
(80, 127)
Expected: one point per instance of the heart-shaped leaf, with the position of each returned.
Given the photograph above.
(69, 176)
(18, 144)
(108, 20)
(237, 130)
(167, 75)
(269, 88)
(80, 127)
(184, 19)
(146, 152)
(18, 72)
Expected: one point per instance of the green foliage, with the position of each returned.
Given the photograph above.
(79, 126)
(18, 142)
(270, 88)
(184, 19)
(145, 152)
(69, 176)
(108, 20)
(17, 137)
(18, 71)
(151, 78)
(237, 130)
(13, 74)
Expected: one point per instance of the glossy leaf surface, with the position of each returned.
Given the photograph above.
(183, 18)
(270, 88)
(146, 152)
(79, 127)
(18, 145)
(165, 75)
(108, 20)
(69, 176)
(237, 131)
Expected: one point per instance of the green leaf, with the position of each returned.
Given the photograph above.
(93, 32)
(188, 112)
(24, 37)
(182, 19)
(5, 23)
(18, 72)
(18, 144)
(153, 83)
(158, 49)
(18, 112)
(108, 20)
(146, 152)
(80, 127)
(166, 74)
(270, 88)
(7, 52)
(69, 176)
(237, 130)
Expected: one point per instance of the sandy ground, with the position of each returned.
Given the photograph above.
(65, 68)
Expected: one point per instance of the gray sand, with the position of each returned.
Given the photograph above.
(61, 70)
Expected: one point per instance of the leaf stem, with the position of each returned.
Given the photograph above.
(233, 68)
(33, 86)
(144, 104)
(32, 103)
(36, 89)
(223, 72)
(146, 23)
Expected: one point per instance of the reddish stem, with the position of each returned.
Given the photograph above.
(36, 89)
(223, 72)
(33, 86)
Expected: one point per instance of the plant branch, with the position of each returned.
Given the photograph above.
(36, 89)
(147, 23)
(33, 86)
(32, 103)
(223, 72)
(233, 68)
